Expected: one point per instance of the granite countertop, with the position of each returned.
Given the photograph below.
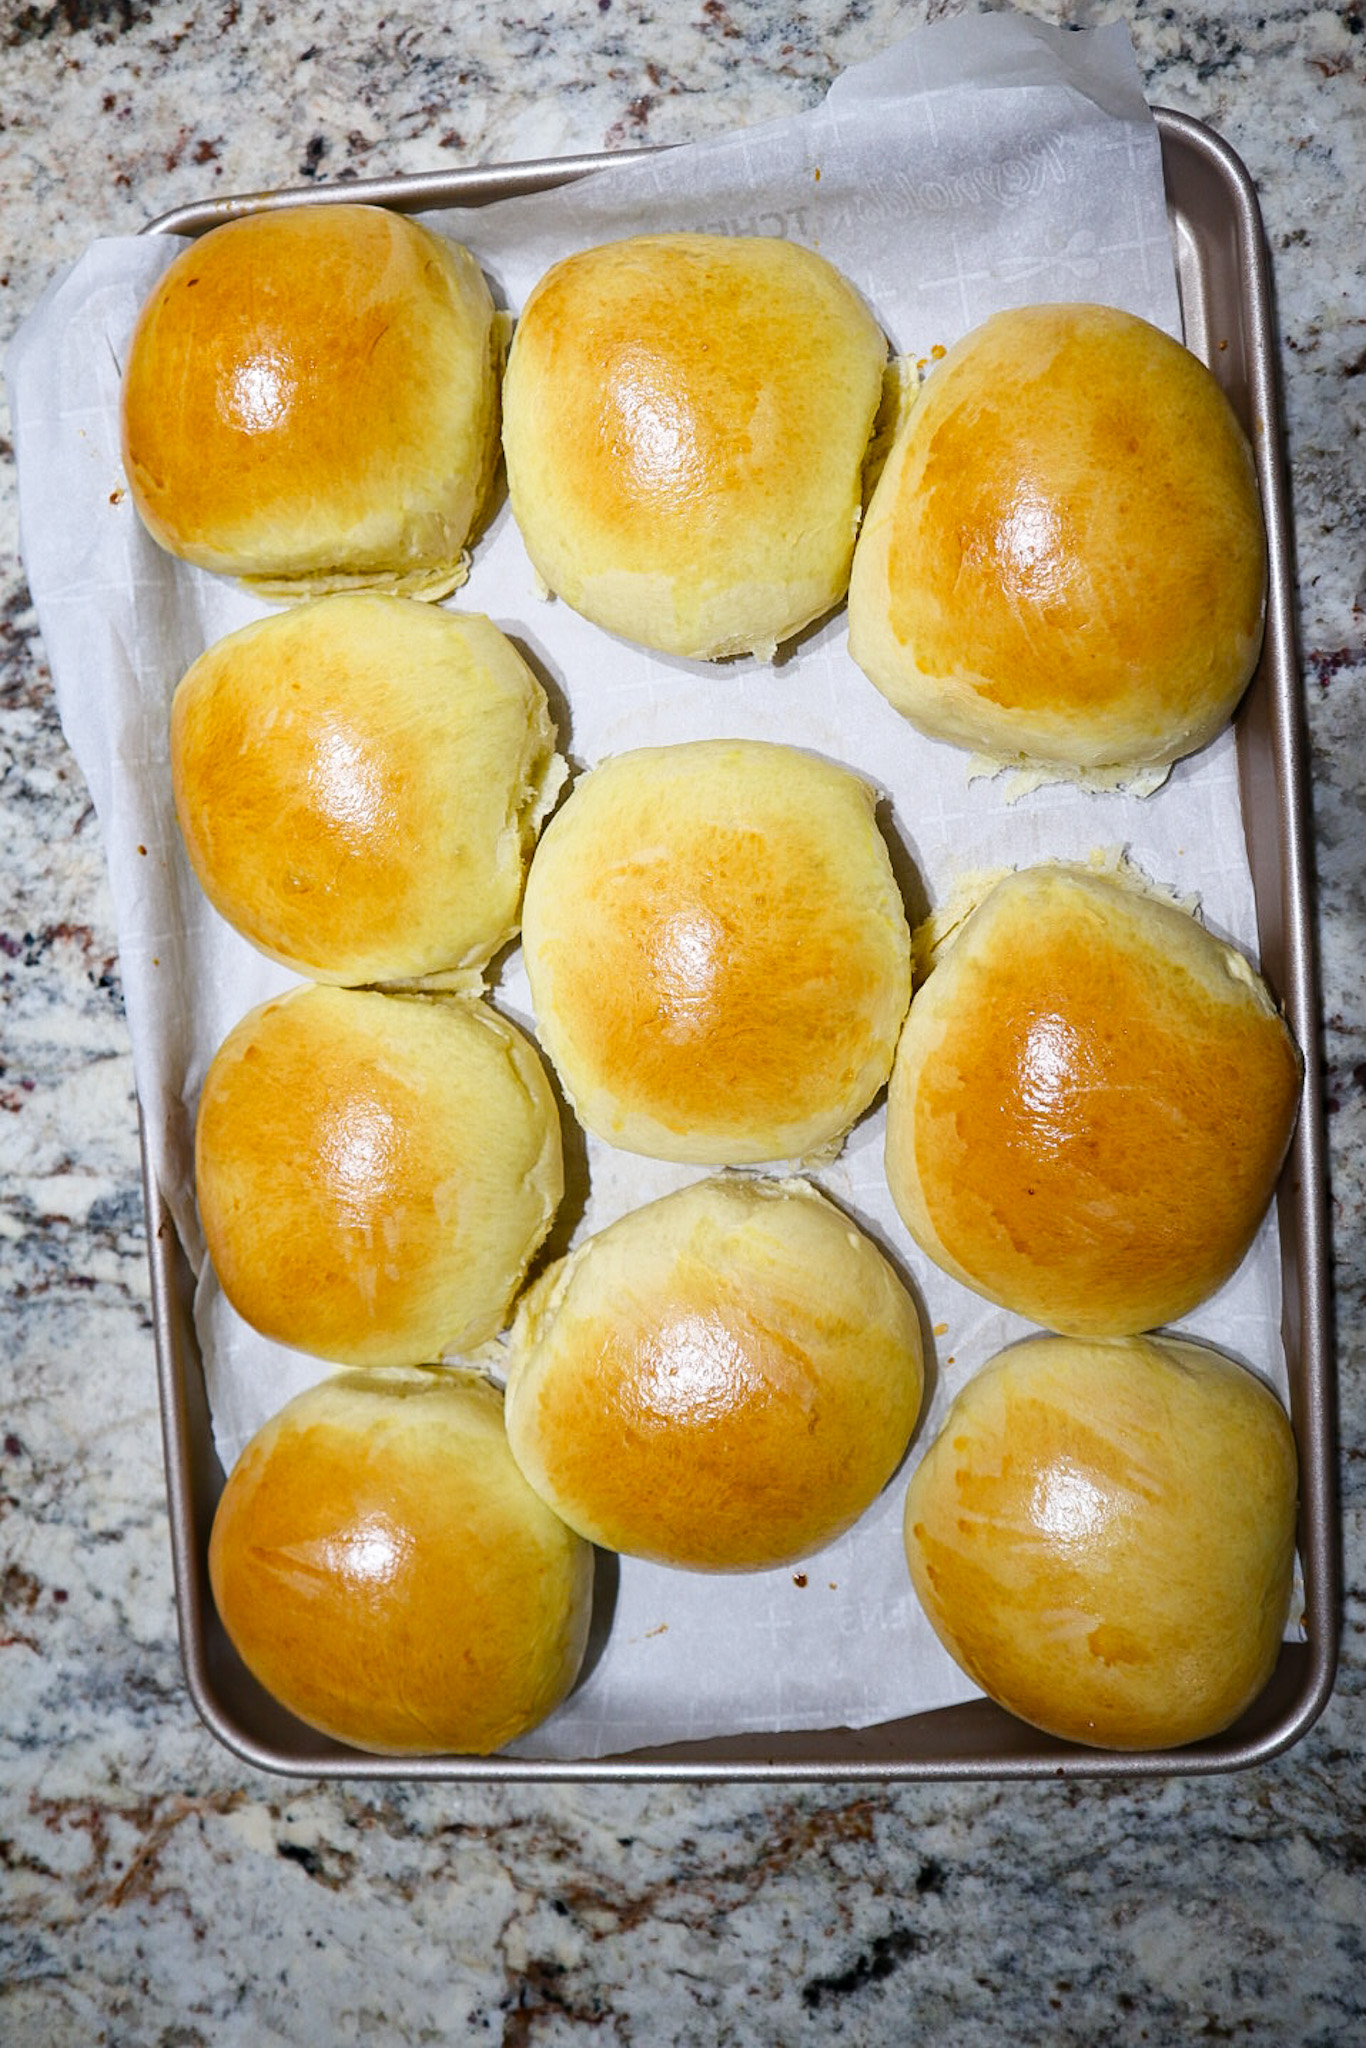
(156, 1890)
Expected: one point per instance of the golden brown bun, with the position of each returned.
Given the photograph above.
(1103, 1537)
(1064, 560)
(374, 1172)
(723, 1380)
(1090, 1105)
(717, 951)
(359, 782)
(685, 420)
(311, 401)
(386, 1573)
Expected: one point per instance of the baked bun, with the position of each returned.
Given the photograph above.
(685, 421)
(723, 1380)
(1103, 1537)
(359, 782)
(1090, 1105)
(384, 1570)
(717, 951)
(1064, 560)
(374, 1172)
(310, 402)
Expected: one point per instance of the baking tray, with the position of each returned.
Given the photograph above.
(1223, 277)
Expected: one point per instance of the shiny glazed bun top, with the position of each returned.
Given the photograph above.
(717, 951)
(310, 402)
(384, 1570)
(374, 1172)
(1064, 561)
(1103, 1536)
(359, 782)
(685, 420)
(722, 1380)
(1090, 1104)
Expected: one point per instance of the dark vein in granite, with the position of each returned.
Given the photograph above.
(74, 17)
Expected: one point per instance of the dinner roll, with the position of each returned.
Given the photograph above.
(717, 951)
(685, 421)
(1090, 1104)
(1103, 1535)
(374, 1172)
(384, 1570)
(310, 401)
(1064, 560)
(359, 782)
(723, 1380)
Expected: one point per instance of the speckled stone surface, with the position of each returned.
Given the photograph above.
(154, 1890)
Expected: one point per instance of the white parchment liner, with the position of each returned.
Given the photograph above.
(985, 162)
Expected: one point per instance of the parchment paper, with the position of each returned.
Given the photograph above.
(985, 162)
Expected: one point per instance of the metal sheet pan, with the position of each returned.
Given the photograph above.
(1225, 287)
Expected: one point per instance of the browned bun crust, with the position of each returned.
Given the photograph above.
(723, 1380)
(717, 951)
(386, 1573)
(310, 401)
(359, 782)
(1090, 1104)
(685, 421)
(1103, 1537)
(374, 1172)
(1064, 561)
